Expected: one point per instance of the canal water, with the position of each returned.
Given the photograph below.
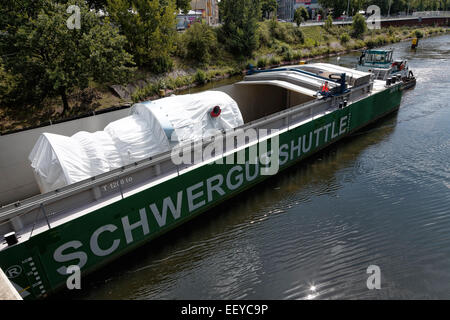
(380, 197)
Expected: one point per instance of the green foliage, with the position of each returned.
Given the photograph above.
(267, 7)
(328, 23)
(391, 31)
(274, 61)
(345, 38)
(200, 77)
(285, 32)
(264, 34)
(337, 6)
(288, 55)
(201, 42)
(376, 42)
(300, 37)
(239, 29)
(95, 4)
(298, 17)
(262, 63)
(8, 84)
(183, 5)
(149, 26)
(418, 34)
(48, 58)
(359, 26)
(297, 55)
(283, 49)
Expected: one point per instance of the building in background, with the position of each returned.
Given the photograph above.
(312, 6)
(285, 10)
(184, 21)
(209, 10)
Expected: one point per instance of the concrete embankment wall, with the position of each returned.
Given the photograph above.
(438, 21)
(16, 176)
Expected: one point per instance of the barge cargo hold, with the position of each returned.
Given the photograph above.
(91, 222)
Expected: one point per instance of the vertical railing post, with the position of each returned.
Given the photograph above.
(120, 187)
(45, 215)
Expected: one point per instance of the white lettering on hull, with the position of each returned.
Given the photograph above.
(197, 196)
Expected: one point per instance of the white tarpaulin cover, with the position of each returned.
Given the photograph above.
(59, 161)
(187, 117)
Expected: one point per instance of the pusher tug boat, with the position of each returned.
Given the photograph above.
(106, 193)
(381, 64)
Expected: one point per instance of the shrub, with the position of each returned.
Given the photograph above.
(370, 43)
(285, 32)
(200, 77)
(281, 50)
(262, 63)
(391, 31)
(300, 15)
(264, 34)
(418, 34)
(299, 35)
(288, 55)
(161, 64)
(275, 61)
(380, 40)
(345, 38)
(328, 23)
(359, 26)
(200, 42)
(182, 81)
(180, 46)
(297, 55)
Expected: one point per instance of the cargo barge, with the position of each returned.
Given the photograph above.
(271, 120)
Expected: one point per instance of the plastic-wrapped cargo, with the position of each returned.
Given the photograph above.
(152, 128)
(188, 117)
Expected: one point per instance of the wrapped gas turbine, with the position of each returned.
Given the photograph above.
(152, 128)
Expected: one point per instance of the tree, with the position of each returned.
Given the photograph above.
(8, 83)
(200, 42)
(267, 7)
(300, 15)
(52, 59)
(328, 23)
(337, 6)
(183, 5)
(97, 4)
(240, 23)
(149, 26)
(359, 25)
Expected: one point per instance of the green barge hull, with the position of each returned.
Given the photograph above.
(38, 267)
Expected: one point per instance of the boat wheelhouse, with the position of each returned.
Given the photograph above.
(382, 65)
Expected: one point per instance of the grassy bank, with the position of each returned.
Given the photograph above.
(279, 44)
